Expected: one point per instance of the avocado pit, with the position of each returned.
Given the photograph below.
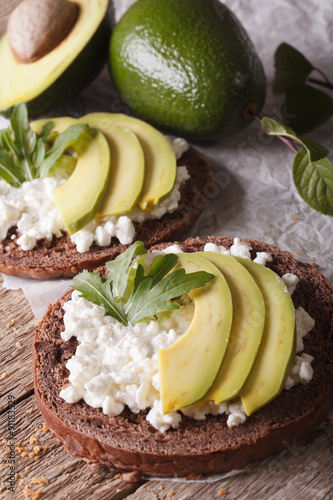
(36, 27)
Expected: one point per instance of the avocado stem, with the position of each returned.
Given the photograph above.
(286, 141)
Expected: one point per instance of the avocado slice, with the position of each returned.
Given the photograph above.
(62, 72)
(81, 197)
(188, 67)
(160, 160)
(187, 368)
(246, 332)
(128, 167)
(278, 345)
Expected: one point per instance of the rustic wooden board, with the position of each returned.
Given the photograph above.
(17, 328)
(304, 471)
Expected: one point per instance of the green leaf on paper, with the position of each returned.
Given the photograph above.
(314, 181)
(292, 68)
(149, 294)
(306, 108)
(312, 171)
(274, 127)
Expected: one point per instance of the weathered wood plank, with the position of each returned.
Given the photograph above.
(42, 464)
(17, 329)
(299, 472)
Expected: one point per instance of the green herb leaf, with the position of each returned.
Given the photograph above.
(9, 171)
(28, 152)
(24, 140)
(98, 290)
(46, 132)
(314, 181)
(120, 268)
(161, 266)
(275, 127)
(312, 171)
(292, 68)
(62, 142)
(306, 108)
(151, 296)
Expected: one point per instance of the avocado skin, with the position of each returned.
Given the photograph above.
(186, 66)
(83, 70)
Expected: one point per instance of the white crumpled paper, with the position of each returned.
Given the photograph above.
(254, 194)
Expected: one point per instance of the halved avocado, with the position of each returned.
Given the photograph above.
(64, 71)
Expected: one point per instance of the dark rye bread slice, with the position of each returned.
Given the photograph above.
(197, 448)
(59, 257)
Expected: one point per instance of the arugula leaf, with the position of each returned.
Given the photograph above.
(62, 142)
(120, 268)
(314, 181)
(149, 294)
(292, 68)
(24, 156)
(98, 290)
(9, 171)
(46, 132)
(312, 171)
(24, 140)
(161, 266)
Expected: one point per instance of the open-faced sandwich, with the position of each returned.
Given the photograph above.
(189, 360)
(74, 193)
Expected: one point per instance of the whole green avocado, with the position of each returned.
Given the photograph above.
(187, 66)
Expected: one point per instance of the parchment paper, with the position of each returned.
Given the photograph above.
(254, 194)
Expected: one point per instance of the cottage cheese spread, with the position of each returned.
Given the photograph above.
(31, 209)
(116, 365)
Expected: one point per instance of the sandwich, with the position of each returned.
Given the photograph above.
(194, 358)
(84, 189)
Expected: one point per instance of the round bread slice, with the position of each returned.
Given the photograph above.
(129, 443)
(59, 257)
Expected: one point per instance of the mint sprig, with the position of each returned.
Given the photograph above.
(147, 295)
(23, 155)
(312, 171)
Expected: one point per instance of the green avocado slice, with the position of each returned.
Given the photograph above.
(128, 168)
(188, 368)
(160, 160)
(278, 346)
(80, 198)
(246, 332)
(63, 71)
